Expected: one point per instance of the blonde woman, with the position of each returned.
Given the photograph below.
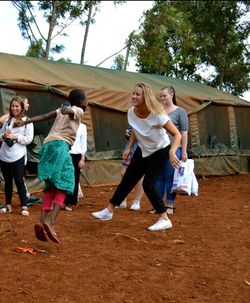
(149, 121)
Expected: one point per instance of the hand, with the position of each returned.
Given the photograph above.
(175, 162)
(184, 156)
(126, 154)
(81, 164)
(8, 134)
(18, 123)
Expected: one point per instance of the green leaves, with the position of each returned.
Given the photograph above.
(178, 37)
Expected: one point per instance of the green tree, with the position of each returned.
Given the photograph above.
(178, 38)
(225, 46)
(165, 44)
(118, 62)
(58, 15)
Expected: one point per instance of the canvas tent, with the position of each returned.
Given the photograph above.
(219, 122)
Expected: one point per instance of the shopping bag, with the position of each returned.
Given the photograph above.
(184, 179)
(194, 185)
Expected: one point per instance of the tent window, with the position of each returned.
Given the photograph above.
(214, 127)
(109, 129)
(242, 116)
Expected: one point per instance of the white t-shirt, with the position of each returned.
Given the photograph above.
(79, 146)
(149, 132)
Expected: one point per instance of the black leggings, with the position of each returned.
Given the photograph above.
(14, 170)
(151, 168)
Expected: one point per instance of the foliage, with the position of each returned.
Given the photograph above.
(58, 15)
(179, 38)
(118, 62)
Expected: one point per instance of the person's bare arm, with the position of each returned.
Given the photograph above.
(49, 115)
(184, 140)
(66, 110)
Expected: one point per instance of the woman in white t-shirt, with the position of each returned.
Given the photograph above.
(149, 121)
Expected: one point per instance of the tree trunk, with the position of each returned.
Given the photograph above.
(86, 32)
(51, 28)
(127, 52)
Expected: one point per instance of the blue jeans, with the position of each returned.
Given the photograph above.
(165, 182)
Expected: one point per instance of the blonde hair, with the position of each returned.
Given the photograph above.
(151, 102)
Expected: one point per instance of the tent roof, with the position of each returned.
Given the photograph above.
(105, 87)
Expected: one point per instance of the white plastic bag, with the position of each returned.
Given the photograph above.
(184, 179)
(194, 185)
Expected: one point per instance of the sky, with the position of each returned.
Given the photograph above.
(106, 37)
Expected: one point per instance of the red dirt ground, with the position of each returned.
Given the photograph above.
(203, 258)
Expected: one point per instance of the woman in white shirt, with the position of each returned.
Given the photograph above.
(149, 121)
(13, 153)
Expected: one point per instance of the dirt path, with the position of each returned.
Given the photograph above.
(203, 258)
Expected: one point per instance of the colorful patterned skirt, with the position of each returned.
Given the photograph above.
(55, 166)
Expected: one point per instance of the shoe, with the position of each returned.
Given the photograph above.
(40, 232)
(152, 211)
(50, 232)
(135, 205)
(31, 200)
(6, 209)
(25, 211)
(67, 208)
(103, 215)
(161, 224)
(122, 205)
(170, 210)
(3, 210)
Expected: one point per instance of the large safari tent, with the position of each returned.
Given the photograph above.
(219, 122)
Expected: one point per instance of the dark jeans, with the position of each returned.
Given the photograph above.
(10, 171)
(72, 199)
(151, 168)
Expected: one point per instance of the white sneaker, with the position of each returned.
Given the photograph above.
(6, 209)
(25, 211)
(3, 210)
(135, 205)
(103, 215)
(67, 208)
(161, 224)
(122, 205)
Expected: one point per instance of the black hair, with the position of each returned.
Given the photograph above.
(76, 97)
